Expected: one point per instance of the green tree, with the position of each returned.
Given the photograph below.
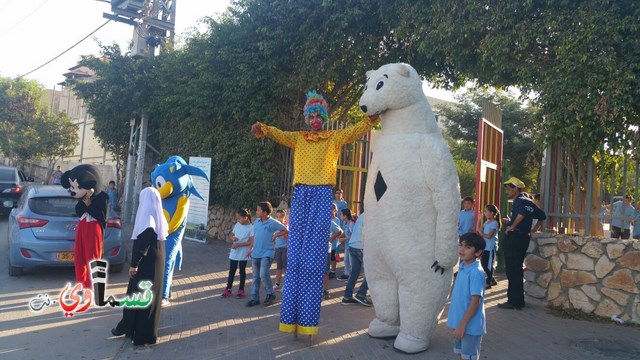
(519, 123)
(256, 63)
(467, 175)
(20, 109)
(57, 137)
(123, 87)
(580, 58)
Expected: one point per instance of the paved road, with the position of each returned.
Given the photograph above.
(202, 325)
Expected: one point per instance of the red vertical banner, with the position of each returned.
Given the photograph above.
(488, 166)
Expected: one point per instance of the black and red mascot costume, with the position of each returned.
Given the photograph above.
(84, 183)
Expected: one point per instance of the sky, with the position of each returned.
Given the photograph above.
(33, 32)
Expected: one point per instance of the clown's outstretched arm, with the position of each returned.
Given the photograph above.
(178, 216)
(352, 133)
(442, 182)
(286, 138)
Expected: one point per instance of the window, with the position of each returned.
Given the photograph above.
(8, 174)
(54, 206)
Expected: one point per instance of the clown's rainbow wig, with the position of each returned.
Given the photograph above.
(316, 103)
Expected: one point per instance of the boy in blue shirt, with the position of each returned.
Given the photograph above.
(113, 197)
(266, 230)
(281, 251)
(334, 234)
(623, 216)
(339, 201)
(356, 247)
(467, 216)
(335, 245)
(466, 311)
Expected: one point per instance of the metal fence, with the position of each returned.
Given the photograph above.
(580, 196)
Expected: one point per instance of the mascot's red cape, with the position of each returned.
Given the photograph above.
(84, 183)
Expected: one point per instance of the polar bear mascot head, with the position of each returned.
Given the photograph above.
(397, 88)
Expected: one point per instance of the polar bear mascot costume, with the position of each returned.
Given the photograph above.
(412, 200)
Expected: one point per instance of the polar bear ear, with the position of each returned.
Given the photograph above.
(368, 74)
(403, 70)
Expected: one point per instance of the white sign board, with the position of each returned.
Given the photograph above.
(198, 215)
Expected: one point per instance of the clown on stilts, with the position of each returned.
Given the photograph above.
(315, 163)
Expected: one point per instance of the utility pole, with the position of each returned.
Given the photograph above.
(128, 179)
(154, 23)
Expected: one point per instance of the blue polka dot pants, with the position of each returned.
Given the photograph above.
(309, 226)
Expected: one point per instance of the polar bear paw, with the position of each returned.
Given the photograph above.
(438, 267)
(410, 344)
(379, 329)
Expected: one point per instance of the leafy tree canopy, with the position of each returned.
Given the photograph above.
(581, 58)
(58, 137)
(20, 109)
(123, 87)
(257, 63)
(27, 129)
(467, 176)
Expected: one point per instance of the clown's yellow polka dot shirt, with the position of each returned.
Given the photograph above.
(315, 159)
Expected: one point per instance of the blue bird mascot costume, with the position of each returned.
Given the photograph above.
(173, 180)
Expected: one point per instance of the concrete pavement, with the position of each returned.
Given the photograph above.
(199, 324)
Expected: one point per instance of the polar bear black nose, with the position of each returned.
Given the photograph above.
(364, 108)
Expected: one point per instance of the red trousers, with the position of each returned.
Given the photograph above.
(88, 247)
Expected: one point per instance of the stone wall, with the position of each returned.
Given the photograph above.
(592, 274)
(222, 220)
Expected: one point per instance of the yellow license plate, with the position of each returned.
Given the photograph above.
(65, 256)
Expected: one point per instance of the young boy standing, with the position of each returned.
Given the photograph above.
(339, 201)
(335, 245)
(466, 311)
(466, 217)
(113, 197)
(334, 234)
(281, 251)
(266, 229)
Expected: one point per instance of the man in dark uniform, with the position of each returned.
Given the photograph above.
(517, 240)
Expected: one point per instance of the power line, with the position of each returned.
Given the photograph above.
(4, 5)
(64, 52)
(26, 17)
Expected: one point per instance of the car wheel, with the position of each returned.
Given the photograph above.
(15, 271)
(117, 268)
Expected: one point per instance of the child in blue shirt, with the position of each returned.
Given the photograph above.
(340, 203)
(489, 232)
(335, 233)
(242, 240)
(348, 221)
(466, 217)
(281, 251)
(266, 229)
(113, 198)
(466, 311)
(335, 244)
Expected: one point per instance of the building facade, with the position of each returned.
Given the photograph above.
(62, 99)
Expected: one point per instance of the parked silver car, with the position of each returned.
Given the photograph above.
(42, 230)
